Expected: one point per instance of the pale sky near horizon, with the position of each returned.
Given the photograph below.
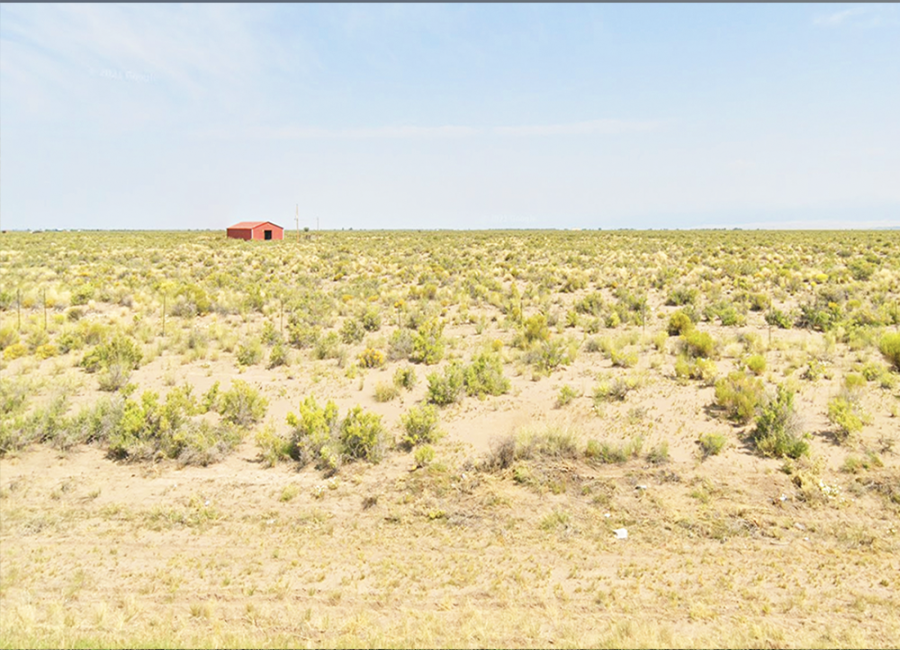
(450, 116)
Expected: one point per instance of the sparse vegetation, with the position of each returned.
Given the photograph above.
(846, 414)
(382, 469)
(738, 395)
(890, 348)
(420, 426)
(777, 431)
(712, 444)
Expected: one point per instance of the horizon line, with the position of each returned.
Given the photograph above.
(352, 229)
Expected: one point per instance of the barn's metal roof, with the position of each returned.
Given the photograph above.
(252, 224)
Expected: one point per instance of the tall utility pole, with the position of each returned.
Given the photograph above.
(297, 220)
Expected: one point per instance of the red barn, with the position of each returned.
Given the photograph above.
(255, 230)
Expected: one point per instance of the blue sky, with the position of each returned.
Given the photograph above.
(450, 116)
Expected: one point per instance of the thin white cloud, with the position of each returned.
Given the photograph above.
(593, 127)
(291, 132)
(741, 163)
(861, 16)
(837, 17)
(199, 54)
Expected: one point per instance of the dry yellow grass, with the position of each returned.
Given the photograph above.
(450, 556)
(734, 549)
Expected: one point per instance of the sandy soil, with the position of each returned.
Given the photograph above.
(723, 551)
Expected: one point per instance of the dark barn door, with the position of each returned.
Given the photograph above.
(268, 234)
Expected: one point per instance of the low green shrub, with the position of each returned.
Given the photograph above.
(484, 376)
(614, 390)
(278, 355)
(120, 350)
(698, 345)
(818, 316)
(362, 436)
(854, 464)
(8, 336)
(314, 436)
(320, 436)
(548, 441)
(756, 363)
(659, 454)
(428, 343)
(114, 377)
(738, 395)
(711, 444)
(446, 388)
(659, 341)
(269, 335)
(302, 334)
(46, 424)
(566, 395)
(405, 378)
(15, 351)
(846, 414)
(778, 318)
(352, 331)
(546, 356)
(777, 431)
(192, 300)
(242, 404)
(272, 446)
(201, 443)
(704, 370)
(250, 353)
(623, 359)
(607, 452)
(149, 428)
(873, 371)
(385, 392)
(327, 346)
(726, 312)
(889, 346)
(400, 345)
(370, 319)
(424, 455)
(535, 329)
(680, 323)
(759, 301)
(591, 304)
(420, 426)
(371, 358)
(682, 296)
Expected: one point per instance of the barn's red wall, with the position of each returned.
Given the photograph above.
(259, 232)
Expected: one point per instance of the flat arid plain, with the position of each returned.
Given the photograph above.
(451, 439)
